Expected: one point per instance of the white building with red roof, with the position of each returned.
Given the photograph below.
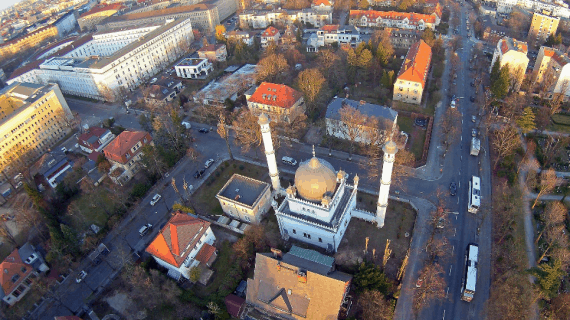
(270, 35)
(322, 5)
(411, 80)
(552, 67)
(95, 139)
(185, 242)
(393, 19)
(124, 153)
(279, 101)
(513, 53)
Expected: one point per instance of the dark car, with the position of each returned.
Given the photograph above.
(203, 130)
(452, 189)
(472, 84)
(472, 98)
(199, 173)
(420, 122)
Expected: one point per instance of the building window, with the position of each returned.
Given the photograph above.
(294, 231)
(320, 240)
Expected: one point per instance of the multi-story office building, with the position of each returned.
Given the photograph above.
(542, 26)
(27, 41)
(33, 118)
(203, 16)
(140, 53)
(412, 77)
(513, 53)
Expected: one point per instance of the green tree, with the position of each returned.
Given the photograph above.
(495, 72)
(526, 121)
(429, 37)
(195, 274)
(365, 59)
(370, 277)
(177, 206)
(548, 277)
(363, 4)
(387, 79)
(383, 55)
(500, 87)
(220, 33)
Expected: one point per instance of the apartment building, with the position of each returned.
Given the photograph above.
(203, 16)
(552, 70)
(27, 41)
(194, 68)
(124, 154)
(411, 80)
(514, 53)
(329, 34)
(556, 8)
(261, 19)
(33, 118)
(393, 19)
(66, 23)
(104, 76)
(404, 39)
(247, 37)
(322, 5)
(89, 19)
(278, 101)
(542, 26)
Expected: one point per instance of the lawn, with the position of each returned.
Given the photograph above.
(402, 106)
(204, 200)
(417, 135)
(85, 211)
(560, 123)
(400, 218)
(221, 267)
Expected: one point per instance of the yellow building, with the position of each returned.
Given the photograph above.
(33, 118)
(27, 41)
(542, 26)
(411, 81)
(245, 198)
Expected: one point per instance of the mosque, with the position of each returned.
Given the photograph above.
(318, 207)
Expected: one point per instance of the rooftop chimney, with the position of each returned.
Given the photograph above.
(277, 254)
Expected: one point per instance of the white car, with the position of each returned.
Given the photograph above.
(155, 199)
(453, 104)
(81, 276)
(145, 229)
(209, 163)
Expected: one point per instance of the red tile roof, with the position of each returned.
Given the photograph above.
(277, 95)
(270, 32)
(210, 47)
(122, 144)
(101, 8)
(392, 15)
(234, 305)
(177, 239)
(205, 253)
(9, 268)
(93, 131)
(330, 27)
(548, 52)
(416, 65)
(323, 2)
(513, 44)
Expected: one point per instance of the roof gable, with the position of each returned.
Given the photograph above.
(177, 238)
(13, 271)
(270, 32)
(416, 64)
(277, 95)
(123, 143)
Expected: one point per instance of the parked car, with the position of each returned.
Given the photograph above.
(145, 229)
(155, 199)
(203, 130)
(473, 119)
(63, 149)
(474, 132)
(81, 276)
(290, 161)
(199, 173)
(420, 122)
(419, 283)
(472, 99)
(452, 189)
(209, 163)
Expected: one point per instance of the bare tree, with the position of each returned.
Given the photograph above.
(223, 131)
(450, 126)
(375, 306)
(248, 133)
(505, 141)
(553, 215)
(352, 123)
(7, 234)
(548, 181)
(269, 68)
(432, 286)
(311, 82)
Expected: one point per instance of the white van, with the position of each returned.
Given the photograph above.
(145, 229)
(290, 161)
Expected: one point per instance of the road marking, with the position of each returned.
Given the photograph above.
(443, 315)
(450, 268)
(455, 232)
(452, 249)
(461, 138)
(447, 293)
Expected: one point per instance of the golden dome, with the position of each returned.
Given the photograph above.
(315, 178)
(390, 147)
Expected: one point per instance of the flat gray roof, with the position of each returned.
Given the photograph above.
(243, 189)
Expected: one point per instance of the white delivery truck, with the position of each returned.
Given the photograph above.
(475, 146)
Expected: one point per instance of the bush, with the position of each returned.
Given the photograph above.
(227, 164)
(235, 165)
(241, 167)
(217, 174)
(139, 190)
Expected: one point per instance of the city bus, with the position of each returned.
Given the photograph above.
(470, 280)
(474, 194)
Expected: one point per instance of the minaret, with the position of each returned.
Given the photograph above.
(269, 152)
(390, 150)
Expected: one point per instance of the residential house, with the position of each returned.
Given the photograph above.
(552, 71)
(289, 37)
(247, 37)
(234, 305)
(213, 52)
(194, 68)
(93, 172)
(331, 34)
(245, 198)
(280, 102)
(270, 35)
(386, 119)
(124, 154)
(95, 139)
(51, 168)
(322, 5)
(412, 77)
(183, 243)
(301, 284)
(19, 270)
(163, 91)
(393, 19)
(512, 52)
(261, 19)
